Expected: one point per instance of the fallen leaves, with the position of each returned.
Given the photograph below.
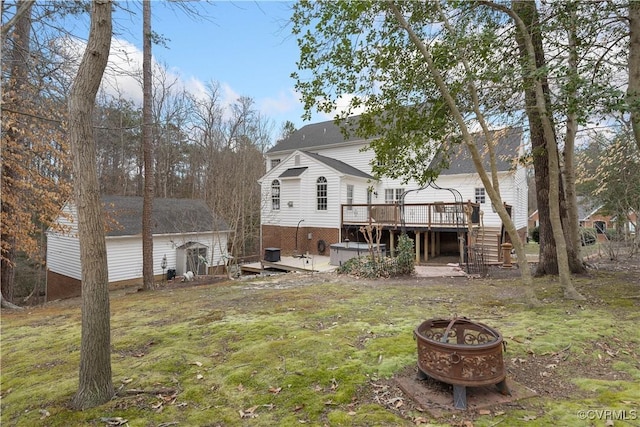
(249, 412)
(164, 400)
(252, 411)
(396, 402)
(275, 390)
(114, 421)
(420, 420)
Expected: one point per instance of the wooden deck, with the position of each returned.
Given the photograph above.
(426, 216)
(304, 264)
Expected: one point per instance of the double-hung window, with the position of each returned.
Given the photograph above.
(275, 195)
(321, 193)
(393, 195)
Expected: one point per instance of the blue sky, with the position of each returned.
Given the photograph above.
(245, 46)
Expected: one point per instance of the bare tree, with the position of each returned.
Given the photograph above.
(147, 142)
(95, 382)
(633, 88)
(23, 9)
(172, 107)
(489, 180)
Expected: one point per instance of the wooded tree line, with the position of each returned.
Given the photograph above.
(202, 150)
(202, 147)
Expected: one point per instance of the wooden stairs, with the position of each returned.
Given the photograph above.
(488, 241)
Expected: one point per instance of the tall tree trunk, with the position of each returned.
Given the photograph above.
(548, 263)
(633, 88)
(548, 256)
(147, 142)
(475, 155)
(95, 385)
(530, 56)
(571, 226)
(17, 90)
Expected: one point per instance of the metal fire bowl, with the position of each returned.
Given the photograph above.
(460, 352)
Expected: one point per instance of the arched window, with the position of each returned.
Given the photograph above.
(321, 192)
(275, 195)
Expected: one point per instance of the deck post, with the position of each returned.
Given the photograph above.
(418, 247)
(433, 244)
(392, 243)
(426, 245)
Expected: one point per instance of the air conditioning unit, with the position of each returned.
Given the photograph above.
(272, 254)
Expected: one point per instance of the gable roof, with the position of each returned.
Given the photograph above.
(315, 135)
(293, 172)
(507, 148)
(170, 216)
(339, 166)
(586, 208)
(327, 133)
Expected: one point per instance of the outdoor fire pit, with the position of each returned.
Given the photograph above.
(461, 353)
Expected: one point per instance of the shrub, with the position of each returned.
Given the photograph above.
(535, 234)
(406, 258)
(588, 236)
(367, 267)
(613, 234)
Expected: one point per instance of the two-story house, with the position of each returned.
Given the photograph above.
(319, 189)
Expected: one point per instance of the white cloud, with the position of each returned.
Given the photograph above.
(123, 75)
(123, 79)
(229, 95)
(342, 105)
(284, 102)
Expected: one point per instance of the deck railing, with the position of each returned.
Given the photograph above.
(429, 215)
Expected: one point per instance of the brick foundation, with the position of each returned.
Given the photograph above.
(284, 238)
(60, 286)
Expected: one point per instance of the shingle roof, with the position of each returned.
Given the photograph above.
(292, 172)
(586, 208)
(170, 216)
(327, 133)
(340, 166)
(507, 151)
(315, 135)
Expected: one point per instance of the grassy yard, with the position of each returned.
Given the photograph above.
(323, 350)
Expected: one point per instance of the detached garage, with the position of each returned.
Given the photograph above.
(185, 233)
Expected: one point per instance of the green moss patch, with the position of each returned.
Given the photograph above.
(323, 350)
